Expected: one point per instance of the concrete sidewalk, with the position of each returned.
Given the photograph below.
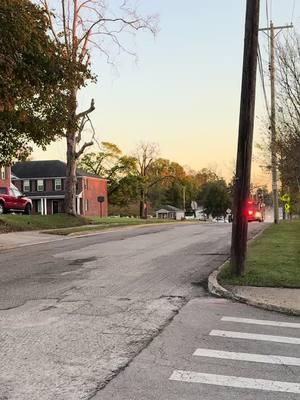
(275, 299)
(19, 239)
(279, 299)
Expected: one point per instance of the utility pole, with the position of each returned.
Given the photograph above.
(245, 139)
(272, 67)
(273, 125)
(183, 194)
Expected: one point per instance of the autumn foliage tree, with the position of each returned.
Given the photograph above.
(33, 76)
(84, 27)
(119, 169)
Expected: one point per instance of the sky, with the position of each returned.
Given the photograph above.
(183, 92)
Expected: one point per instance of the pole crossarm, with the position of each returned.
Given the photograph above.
(276, 28)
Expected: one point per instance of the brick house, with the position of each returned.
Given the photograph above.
(5, 176)
(44, 183)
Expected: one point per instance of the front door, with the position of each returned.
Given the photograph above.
(55, 207)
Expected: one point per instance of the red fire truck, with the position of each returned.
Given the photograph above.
(255, 211)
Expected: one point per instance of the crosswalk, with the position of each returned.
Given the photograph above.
(227, 336)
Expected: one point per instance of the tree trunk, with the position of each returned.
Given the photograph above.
(143, 205)
(141, 208)
(71, 178)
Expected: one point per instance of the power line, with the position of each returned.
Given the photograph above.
(268, 22)
(293, 10)
(267, 12)
(271, 10)
(262, 78)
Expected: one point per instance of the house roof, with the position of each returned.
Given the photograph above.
(45, 169)
(169, 208)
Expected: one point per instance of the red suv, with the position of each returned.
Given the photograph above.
(11, 200)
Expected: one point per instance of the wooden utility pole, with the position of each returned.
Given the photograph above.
(273, 125)
(245, 139)
(272, 68)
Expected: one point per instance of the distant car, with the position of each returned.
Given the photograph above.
(188, 215)
(11, 200)
(198, 215)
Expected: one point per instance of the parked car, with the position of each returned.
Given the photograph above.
(11, 200)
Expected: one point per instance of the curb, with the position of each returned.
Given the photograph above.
(216, 289)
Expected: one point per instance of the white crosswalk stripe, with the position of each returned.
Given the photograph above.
(254, 336)
(262, 322)
(235, 381)
(243, 382)
(229, 355)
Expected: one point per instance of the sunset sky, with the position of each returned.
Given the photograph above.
(184, 90)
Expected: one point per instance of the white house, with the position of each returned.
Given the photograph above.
(170, 212)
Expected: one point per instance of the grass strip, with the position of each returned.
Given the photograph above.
(273, 259)
(64, 224)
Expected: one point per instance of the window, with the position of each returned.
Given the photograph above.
(86, 185)
(3, 175)
(39, 206)
(26, 185)
(3, 191)
(40, 185)
(86, 205)
(57, 184)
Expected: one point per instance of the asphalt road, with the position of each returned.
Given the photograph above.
(216, 349)
(75, 312)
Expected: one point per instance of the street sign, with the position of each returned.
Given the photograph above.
(286, 198)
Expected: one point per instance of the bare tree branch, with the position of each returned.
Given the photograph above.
(88, 111)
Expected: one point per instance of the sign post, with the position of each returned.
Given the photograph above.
(101, 200)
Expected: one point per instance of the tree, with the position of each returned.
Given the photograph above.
(33, 74)
(166, 184)
(102, 162)
(81, 26)
(146, 154)
(215, 198)
(119, 170)
(288, 99)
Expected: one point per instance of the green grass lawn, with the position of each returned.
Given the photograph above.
(13, 223)
(64, 224)
(273, 259)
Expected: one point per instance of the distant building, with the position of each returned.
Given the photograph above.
(5, 176)
(44, 183)
(170, 212)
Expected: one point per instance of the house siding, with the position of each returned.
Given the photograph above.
(7, 180)
(88, 188)
(93, 188)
